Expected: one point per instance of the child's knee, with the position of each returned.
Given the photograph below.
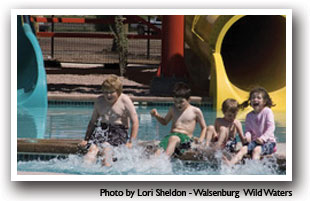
(223, 129)
(244, 150)
(257, 150)
(211, 128)
(174, 139)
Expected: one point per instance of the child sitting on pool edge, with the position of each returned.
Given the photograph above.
(114, 111)
(184, 117)
(259, 127)
(223, 133)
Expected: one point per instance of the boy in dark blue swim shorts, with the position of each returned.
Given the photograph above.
(113, 112)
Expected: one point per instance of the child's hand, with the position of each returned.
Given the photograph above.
(154, 112)
(244, 140)
(197, 140)
(83, 143)
(129, 145)
(259, 141)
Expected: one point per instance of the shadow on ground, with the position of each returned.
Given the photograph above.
(142, 75)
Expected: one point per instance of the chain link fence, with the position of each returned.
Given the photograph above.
(94, 50)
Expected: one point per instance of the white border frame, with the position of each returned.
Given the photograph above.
(16, 177)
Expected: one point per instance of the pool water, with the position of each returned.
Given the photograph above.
(135, 162)
(70, 121)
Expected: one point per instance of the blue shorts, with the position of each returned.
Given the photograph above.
(267, 148)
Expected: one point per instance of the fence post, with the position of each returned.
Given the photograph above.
(148, 39)
(52, 39)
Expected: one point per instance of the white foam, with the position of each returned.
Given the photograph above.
(136, 161)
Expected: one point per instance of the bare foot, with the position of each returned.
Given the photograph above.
(105, 163)
(90, 159)
(158, 152)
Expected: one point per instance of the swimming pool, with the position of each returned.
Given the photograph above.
(65, 121)
(70, 121)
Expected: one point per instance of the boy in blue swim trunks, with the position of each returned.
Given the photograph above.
(184, 117)
(222, 135)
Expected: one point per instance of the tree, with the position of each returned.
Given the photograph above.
(120, 36)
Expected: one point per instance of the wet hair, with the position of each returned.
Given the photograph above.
(230, 105)
(112, 83)
(181, 90)
(265, 95)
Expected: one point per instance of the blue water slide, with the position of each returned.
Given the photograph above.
(31, 82)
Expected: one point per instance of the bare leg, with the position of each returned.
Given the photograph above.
(210, 135)
(172, 143)
(223, 135)
(238, 157)
(107, 155)
(91, 155)
(256, 153)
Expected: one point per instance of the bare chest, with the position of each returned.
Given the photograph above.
(111, 113)
(229, 125)
(188, 116)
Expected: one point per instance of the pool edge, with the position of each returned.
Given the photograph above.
(155, 99)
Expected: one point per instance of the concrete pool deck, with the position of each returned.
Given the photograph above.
(82, 82)
(153, 99)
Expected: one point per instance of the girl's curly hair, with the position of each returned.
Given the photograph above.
(265, 95)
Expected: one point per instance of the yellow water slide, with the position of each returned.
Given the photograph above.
(243, 51)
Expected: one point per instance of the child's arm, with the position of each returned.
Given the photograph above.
(163, 120)
(203, 125)
(270, 128)
(211, 133)
(134, 121)
(216, 124)
(240, 131)
(91, 124)
(247, 134)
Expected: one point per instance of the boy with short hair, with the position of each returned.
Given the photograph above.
(113, 112)
(223, 133)
(184, 117)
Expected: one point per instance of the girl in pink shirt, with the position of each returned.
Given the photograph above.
(259, 127)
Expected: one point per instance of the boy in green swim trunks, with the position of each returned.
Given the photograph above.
(184, 117)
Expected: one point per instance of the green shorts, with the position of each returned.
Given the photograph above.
(184, 144)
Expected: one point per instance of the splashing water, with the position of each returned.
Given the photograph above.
(265, 166)
(129, 161)
(135, 161)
